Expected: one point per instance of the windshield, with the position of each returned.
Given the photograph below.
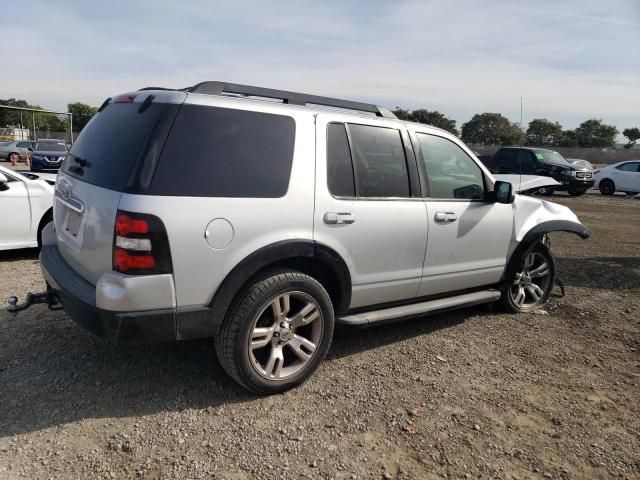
(51, 146)
(551, 157)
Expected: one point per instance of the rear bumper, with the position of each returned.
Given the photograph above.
(78, 298)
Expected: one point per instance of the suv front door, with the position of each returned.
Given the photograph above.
(368, 207)
(469, 236)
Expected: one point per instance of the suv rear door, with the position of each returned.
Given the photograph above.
(469, 236)
(368, 206)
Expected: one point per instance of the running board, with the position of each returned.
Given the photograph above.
(430, 307)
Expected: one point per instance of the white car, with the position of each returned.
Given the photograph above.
(619, 177)
(26, 206)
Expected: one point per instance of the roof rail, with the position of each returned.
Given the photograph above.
(292, 98)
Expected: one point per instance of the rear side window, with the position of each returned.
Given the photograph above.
(379, 161)
(113, 142)
(339, 169)
(220, 152)
(506, 158)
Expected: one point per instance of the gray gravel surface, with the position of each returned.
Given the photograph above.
(470, 394)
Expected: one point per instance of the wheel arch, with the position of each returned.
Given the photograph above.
(535, 235)
(306, 256)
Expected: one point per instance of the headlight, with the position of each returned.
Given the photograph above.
(36, 157)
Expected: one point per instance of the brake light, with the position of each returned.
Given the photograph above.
(140, 245)
(124, 99)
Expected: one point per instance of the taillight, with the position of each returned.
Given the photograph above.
(140, 245)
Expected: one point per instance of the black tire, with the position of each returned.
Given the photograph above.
(507, 299)
(249, 308)
(546, 191)
(607, 187)
(48, 217)
(631, 194)
(576, 192)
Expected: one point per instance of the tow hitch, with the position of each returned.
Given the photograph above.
(49, 297)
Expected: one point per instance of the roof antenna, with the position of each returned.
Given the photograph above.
(520, 151)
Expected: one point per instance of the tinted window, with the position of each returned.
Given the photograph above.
(628, 167)
(450, 171)
(506, 158)
(23, 144)
(339, 168)
(220, 152)
(525, 161)
(379, 161)
(113, 142)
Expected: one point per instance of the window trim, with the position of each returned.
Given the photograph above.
(422, 165)
(413, 177)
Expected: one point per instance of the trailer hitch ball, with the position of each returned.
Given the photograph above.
(47, 297)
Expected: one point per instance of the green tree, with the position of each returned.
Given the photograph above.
(544, 133)
(633, 134)
(82, 113)
(593, 133)
(11, 118)
(568, 139)
(491, 129)
(428, 117)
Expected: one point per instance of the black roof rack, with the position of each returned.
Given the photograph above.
(292, 98)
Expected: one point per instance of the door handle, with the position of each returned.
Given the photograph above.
(338, 218)
(445, 217)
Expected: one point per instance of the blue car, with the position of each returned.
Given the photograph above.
(48, 154)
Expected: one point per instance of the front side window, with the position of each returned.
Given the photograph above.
(629, 167)
(450, 171)
(379, 161)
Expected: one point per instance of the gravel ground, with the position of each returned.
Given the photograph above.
(470, 394)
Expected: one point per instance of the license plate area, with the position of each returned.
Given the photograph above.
(72, 222)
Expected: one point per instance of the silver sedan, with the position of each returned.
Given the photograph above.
(7, 149)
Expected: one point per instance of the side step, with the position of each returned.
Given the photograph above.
(429, 307)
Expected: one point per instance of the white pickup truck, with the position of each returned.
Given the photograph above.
(26, 201)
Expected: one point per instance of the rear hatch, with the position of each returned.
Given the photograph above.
(115, 153)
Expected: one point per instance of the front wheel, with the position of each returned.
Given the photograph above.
(546, 191)
(607, 187)
(530, 285)
(277, 332)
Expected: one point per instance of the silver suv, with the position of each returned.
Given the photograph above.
(262, 217)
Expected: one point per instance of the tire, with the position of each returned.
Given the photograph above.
(546, 191)
(607, 187)
(48, 217)
(261, 313)
(576, 192)
(631, 194)
(543, 280)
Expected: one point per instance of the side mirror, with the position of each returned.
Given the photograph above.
(503, 192)
(3, 182)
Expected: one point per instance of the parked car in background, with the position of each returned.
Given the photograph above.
(576, 180)
(619, 177)
(580, 163)
(26, 202)
(290, 218)
(48, 154)
(17, 148)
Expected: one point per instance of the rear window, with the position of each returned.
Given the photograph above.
(220, 152)
(113, 142)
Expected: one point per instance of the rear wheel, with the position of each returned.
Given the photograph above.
(277, 332)
(531, 284)
(607, 187)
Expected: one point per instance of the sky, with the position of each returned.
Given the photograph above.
(570, 60)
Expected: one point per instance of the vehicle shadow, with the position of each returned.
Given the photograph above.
(610, 273)
(53, 373)
(19, 254)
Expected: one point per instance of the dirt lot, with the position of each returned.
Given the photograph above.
(473, 394)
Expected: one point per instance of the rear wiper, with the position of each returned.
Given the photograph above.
(77, 170)
(82, 161)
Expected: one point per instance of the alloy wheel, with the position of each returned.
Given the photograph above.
(530, 285)
(285, 335)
